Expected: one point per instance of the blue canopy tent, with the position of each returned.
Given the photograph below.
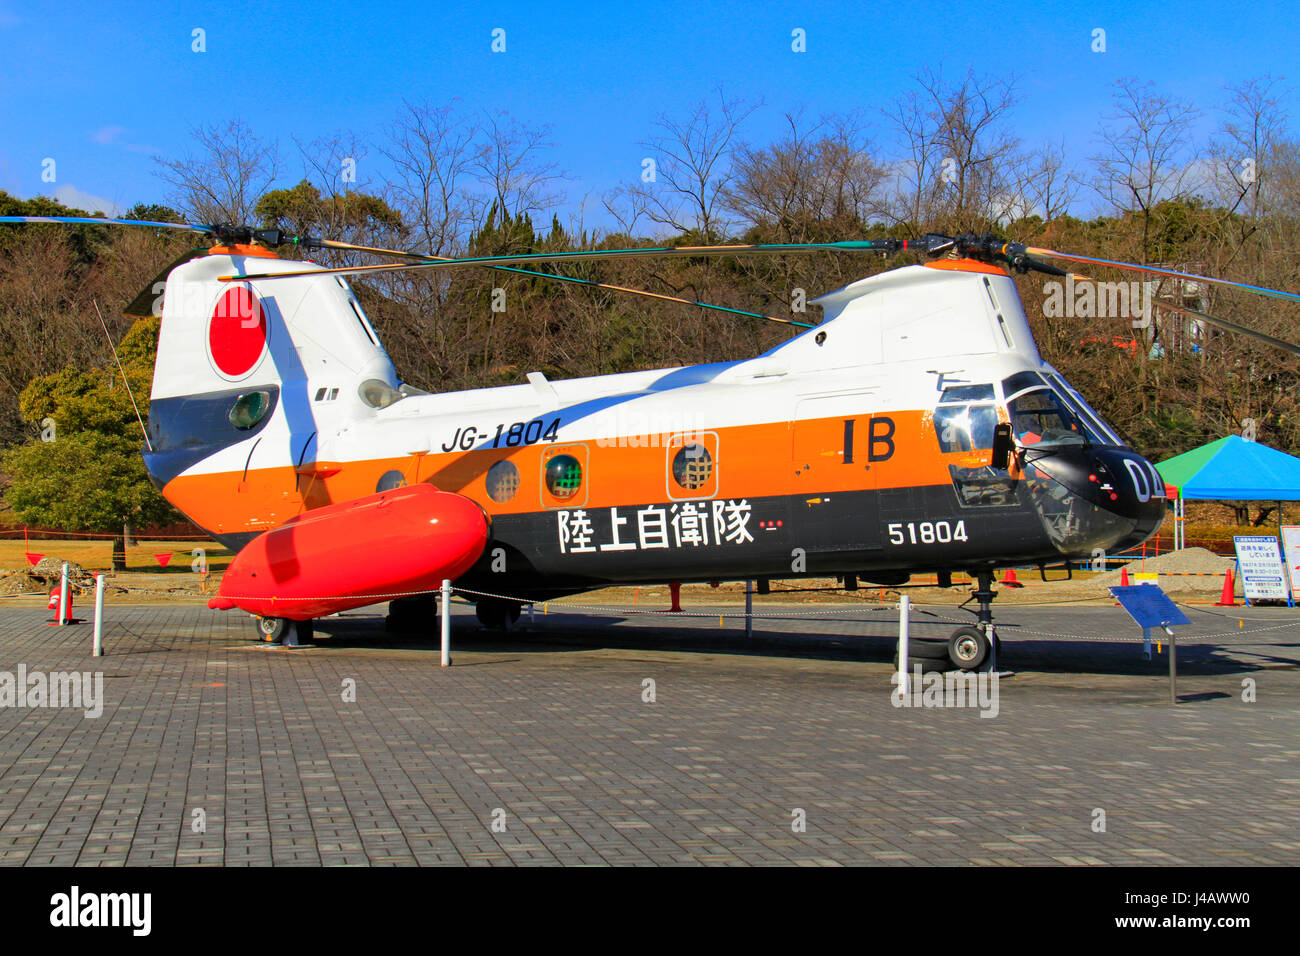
(1231, 469)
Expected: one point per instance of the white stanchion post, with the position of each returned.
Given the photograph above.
(98, 645)
(904, 622)
(445, 608)
(63, 596)
(749, 608)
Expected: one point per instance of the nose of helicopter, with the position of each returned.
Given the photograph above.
(1111, 498)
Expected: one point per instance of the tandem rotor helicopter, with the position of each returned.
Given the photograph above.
(915, 429)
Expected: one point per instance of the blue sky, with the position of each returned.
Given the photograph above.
(103, 89)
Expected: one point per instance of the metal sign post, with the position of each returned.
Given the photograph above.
(904, 620)
(97, 646)
(445, 609)
(749, 608)
(1150, 607)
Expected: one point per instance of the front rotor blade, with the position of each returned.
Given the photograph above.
(1230, 326)
(92, 221)
(1157, 270)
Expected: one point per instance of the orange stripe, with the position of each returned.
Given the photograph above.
(751, 461)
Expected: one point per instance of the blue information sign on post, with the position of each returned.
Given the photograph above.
(1150, 607)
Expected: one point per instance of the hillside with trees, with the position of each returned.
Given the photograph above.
(946, 158)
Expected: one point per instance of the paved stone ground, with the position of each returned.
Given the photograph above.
(548, 727)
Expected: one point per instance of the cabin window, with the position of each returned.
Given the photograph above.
(503, 481)
(692, 466)
(563, 476)
(390, 480)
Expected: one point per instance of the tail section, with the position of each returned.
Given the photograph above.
(247, 375)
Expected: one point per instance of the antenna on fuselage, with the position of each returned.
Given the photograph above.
(103, 325)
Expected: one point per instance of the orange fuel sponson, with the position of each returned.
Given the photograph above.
(355, 553)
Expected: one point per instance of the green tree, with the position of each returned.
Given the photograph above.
(84, 471)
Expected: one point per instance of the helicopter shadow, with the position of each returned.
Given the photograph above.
(873, 642)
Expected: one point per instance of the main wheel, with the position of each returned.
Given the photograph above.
(968, 648)
(272, 630)
(930, 656)
(496, 614)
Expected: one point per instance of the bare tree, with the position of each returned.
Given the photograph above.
(512, 170)
(819, 178)
(957, 153)
(223, 179)
(431, 150)
(692, 170)
(1248, 153)
(1145, 154)
(1047, 186)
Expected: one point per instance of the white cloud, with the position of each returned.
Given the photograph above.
(107, 134)
(70, 195)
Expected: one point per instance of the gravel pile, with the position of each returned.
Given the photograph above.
(1191, 569)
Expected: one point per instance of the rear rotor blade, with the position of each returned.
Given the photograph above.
(865, 245)
(1230, 326)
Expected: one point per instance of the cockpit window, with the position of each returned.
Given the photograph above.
(1021, 381)
(1040, 417)
(967, 393)
(965, 427)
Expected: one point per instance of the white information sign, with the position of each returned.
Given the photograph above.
(1291, 548)
(1263, 578)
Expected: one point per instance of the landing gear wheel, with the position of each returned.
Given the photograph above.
(968, 648)
(930, 656)
(924, 649)
(496, 614)
(272, 630)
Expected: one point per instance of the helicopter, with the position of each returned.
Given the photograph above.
(914, 429)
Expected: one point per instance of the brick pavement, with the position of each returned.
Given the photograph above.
(548, 730)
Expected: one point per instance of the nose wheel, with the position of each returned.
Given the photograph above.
(968, 648)
(971, 648)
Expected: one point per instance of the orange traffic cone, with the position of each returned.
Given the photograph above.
(1228, 598)
(1009, 580)
(1123, 580)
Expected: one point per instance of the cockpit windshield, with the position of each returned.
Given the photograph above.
(1085, 411)
(1046, 410)
(1039, 417)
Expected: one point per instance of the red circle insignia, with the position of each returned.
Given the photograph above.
(237, 332)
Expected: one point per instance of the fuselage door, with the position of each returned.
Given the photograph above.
(835, 505)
